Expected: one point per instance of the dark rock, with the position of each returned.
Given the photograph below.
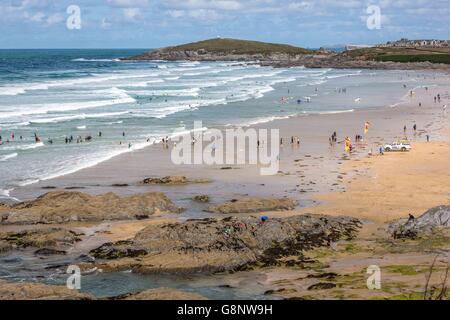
(437, 217)
(201, 198)
(48, 252)
(322, 286)
(211, 245)
(172, 180)
(108, 251)
(326, 275)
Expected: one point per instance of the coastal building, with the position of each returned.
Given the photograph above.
(415, 43)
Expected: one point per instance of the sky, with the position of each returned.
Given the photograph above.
(158, 23)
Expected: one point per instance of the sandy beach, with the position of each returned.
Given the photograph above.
(311, 173)
(320, 177)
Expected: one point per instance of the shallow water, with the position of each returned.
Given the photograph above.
(51, 270)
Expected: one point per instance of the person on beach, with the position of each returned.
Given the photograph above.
(428, 138)
(415, 128)
(123, 134)
(100, 134)
(404, 129)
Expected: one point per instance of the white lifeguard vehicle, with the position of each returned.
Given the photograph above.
(402, 145)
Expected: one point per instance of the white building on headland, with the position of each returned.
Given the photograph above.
(415, 43)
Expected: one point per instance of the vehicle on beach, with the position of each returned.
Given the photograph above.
(397, 146)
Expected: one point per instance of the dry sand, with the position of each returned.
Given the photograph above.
(393, 185)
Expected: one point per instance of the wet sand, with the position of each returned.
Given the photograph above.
(308, 173)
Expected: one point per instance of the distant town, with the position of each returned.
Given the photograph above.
(416, 43)
(404, 43)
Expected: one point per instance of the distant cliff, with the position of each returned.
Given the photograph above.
(280, 55)
(226, 50)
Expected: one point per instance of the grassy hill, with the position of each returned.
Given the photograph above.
(240, 47)
(395, 54)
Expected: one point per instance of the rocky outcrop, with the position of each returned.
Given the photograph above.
(64, 206)
(172, 180)
(437, 217)
(170, 54)
(251, 205)
(318, 59)
(38, 291)
(212, 245)
(162, 294)
(345, 62)
(47, 241)
(203, 198)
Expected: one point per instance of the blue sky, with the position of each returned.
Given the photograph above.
(156, 23)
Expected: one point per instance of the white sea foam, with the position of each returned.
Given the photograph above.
(5, 194)
(21, 89)
(190, 64)
(23, 147)
(78, 117)
(335, 111)
(6, 157)
(95, 60)
(263, 120)
(192, 92)
(121, 97)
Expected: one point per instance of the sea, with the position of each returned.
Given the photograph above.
(68, 95)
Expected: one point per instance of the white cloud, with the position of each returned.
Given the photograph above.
(176, 13)
(132, 14)
(54, 19)
(206, 4)
(298, 6)
(38, 17)
(129, 3)
(204, 14)
(105, 24)
(46, 20)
